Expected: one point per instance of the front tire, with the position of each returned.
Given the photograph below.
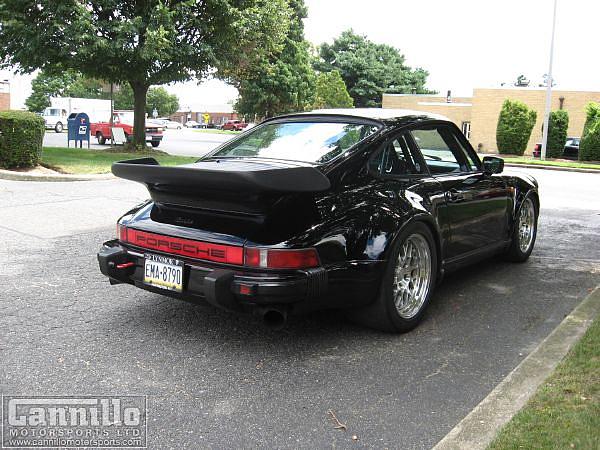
(524, 233)
(58, 128)
(407, 285)
(155, 143)
(100, 138)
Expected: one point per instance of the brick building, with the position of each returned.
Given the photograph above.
(218, 114)
(4, 95)
(477, 116)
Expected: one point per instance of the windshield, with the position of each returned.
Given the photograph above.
(314, 142)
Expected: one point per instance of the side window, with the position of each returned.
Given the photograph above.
(442, 152)
(471, 164)
(397, 158)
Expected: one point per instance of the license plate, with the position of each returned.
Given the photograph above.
(163, 272)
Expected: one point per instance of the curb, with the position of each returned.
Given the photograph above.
(480, 426)
(20, 176)
(564, 169)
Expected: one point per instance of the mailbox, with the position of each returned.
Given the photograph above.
(78, 128)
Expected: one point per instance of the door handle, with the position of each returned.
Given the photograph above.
(455, 196)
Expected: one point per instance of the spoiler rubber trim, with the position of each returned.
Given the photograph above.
(285, 179)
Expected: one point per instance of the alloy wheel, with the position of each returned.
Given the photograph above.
(526, 225)
(412, 276)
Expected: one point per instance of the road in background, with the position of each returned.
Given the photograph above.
(184, 142)
(220, 380)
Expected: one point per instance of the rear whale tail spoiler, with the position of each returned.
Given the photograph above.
(234, 176)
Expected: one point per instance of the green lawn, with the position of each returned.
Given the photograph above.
(565, 411)
(560, 163)
(215, 131)
(83, 161)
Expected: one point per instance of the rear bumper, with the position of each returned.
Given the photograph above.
(220, 286)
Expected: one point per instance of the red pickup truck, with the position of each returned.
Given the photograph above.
(234, 125)
(124, 119)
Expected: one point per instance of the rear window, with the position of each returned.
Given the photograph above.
(314, 142)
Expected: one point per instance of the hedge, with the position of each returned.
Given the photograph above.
(589, 147)
(514, 127)
(21, 136)
(558, 126)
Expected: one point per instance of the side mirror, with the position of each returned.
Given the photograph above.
(492, 164)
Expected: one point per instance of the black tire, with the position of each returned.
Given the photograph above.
(516, 252)
(100, 138)
(383, 314)
(154, 143)
(58, 127)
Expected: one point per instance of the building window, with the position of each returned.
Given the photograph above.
(466, 129)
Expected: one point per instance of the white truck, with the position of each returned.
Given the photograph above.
(55, 116)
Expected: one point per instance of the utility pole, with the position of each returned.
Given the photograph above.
(549, 82)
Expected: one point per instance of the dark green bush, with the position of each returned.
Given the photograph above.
(589, 147)
(514, 127)
(558, 126)
(21, 136)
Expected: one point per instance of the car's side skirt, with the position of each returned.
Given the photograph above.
(474, 256)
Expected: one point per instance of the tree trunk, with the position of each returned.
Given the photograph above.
(139, 113)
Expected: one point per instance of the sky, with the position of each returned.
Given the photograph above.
(463, 44)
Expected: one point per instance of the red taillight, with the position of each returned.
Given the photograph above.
(121, 232)
(281, 258)
(228, 254)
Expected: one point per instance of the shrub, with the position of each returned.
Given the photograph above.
(514, 127)
(331, 91)
(592, 111)
(558, 126)
(589, 147)
(21, 136)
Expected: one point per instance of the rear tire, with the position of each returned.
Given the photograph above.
(407, 284)
(524, 233)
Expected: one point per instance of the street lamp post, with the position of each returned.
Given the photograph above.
(549, 81)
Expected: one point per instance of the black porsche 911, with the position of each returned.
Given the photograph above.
(359, 209)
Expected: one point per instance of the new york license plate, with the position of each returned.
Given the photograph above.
(163, 272)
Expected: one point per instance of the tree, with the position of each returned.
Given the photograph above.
(64, 84)
(514, 128)
(369, 69)
(558, 126)
(165, 103)
(282, 82)
(140, 42)
(331, 91)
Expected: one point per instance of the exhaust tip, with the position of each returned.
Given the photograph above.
(274, 319)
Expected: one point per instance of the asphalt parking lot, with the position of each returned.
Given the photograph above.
(184, 142)
(217, 380)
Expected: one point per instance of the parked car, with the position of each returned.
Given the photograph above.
(329, 209)
(124, 120)
(570, 151)
(234, 125)
(191, 124)
(172, 124)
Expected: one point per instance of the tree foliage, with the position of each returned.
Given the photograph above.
(331, 91)
(158, 97)
(65, 84)
(514, 128)
(282, 82)
(558, 126)
(140, 42)
(369, 69)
